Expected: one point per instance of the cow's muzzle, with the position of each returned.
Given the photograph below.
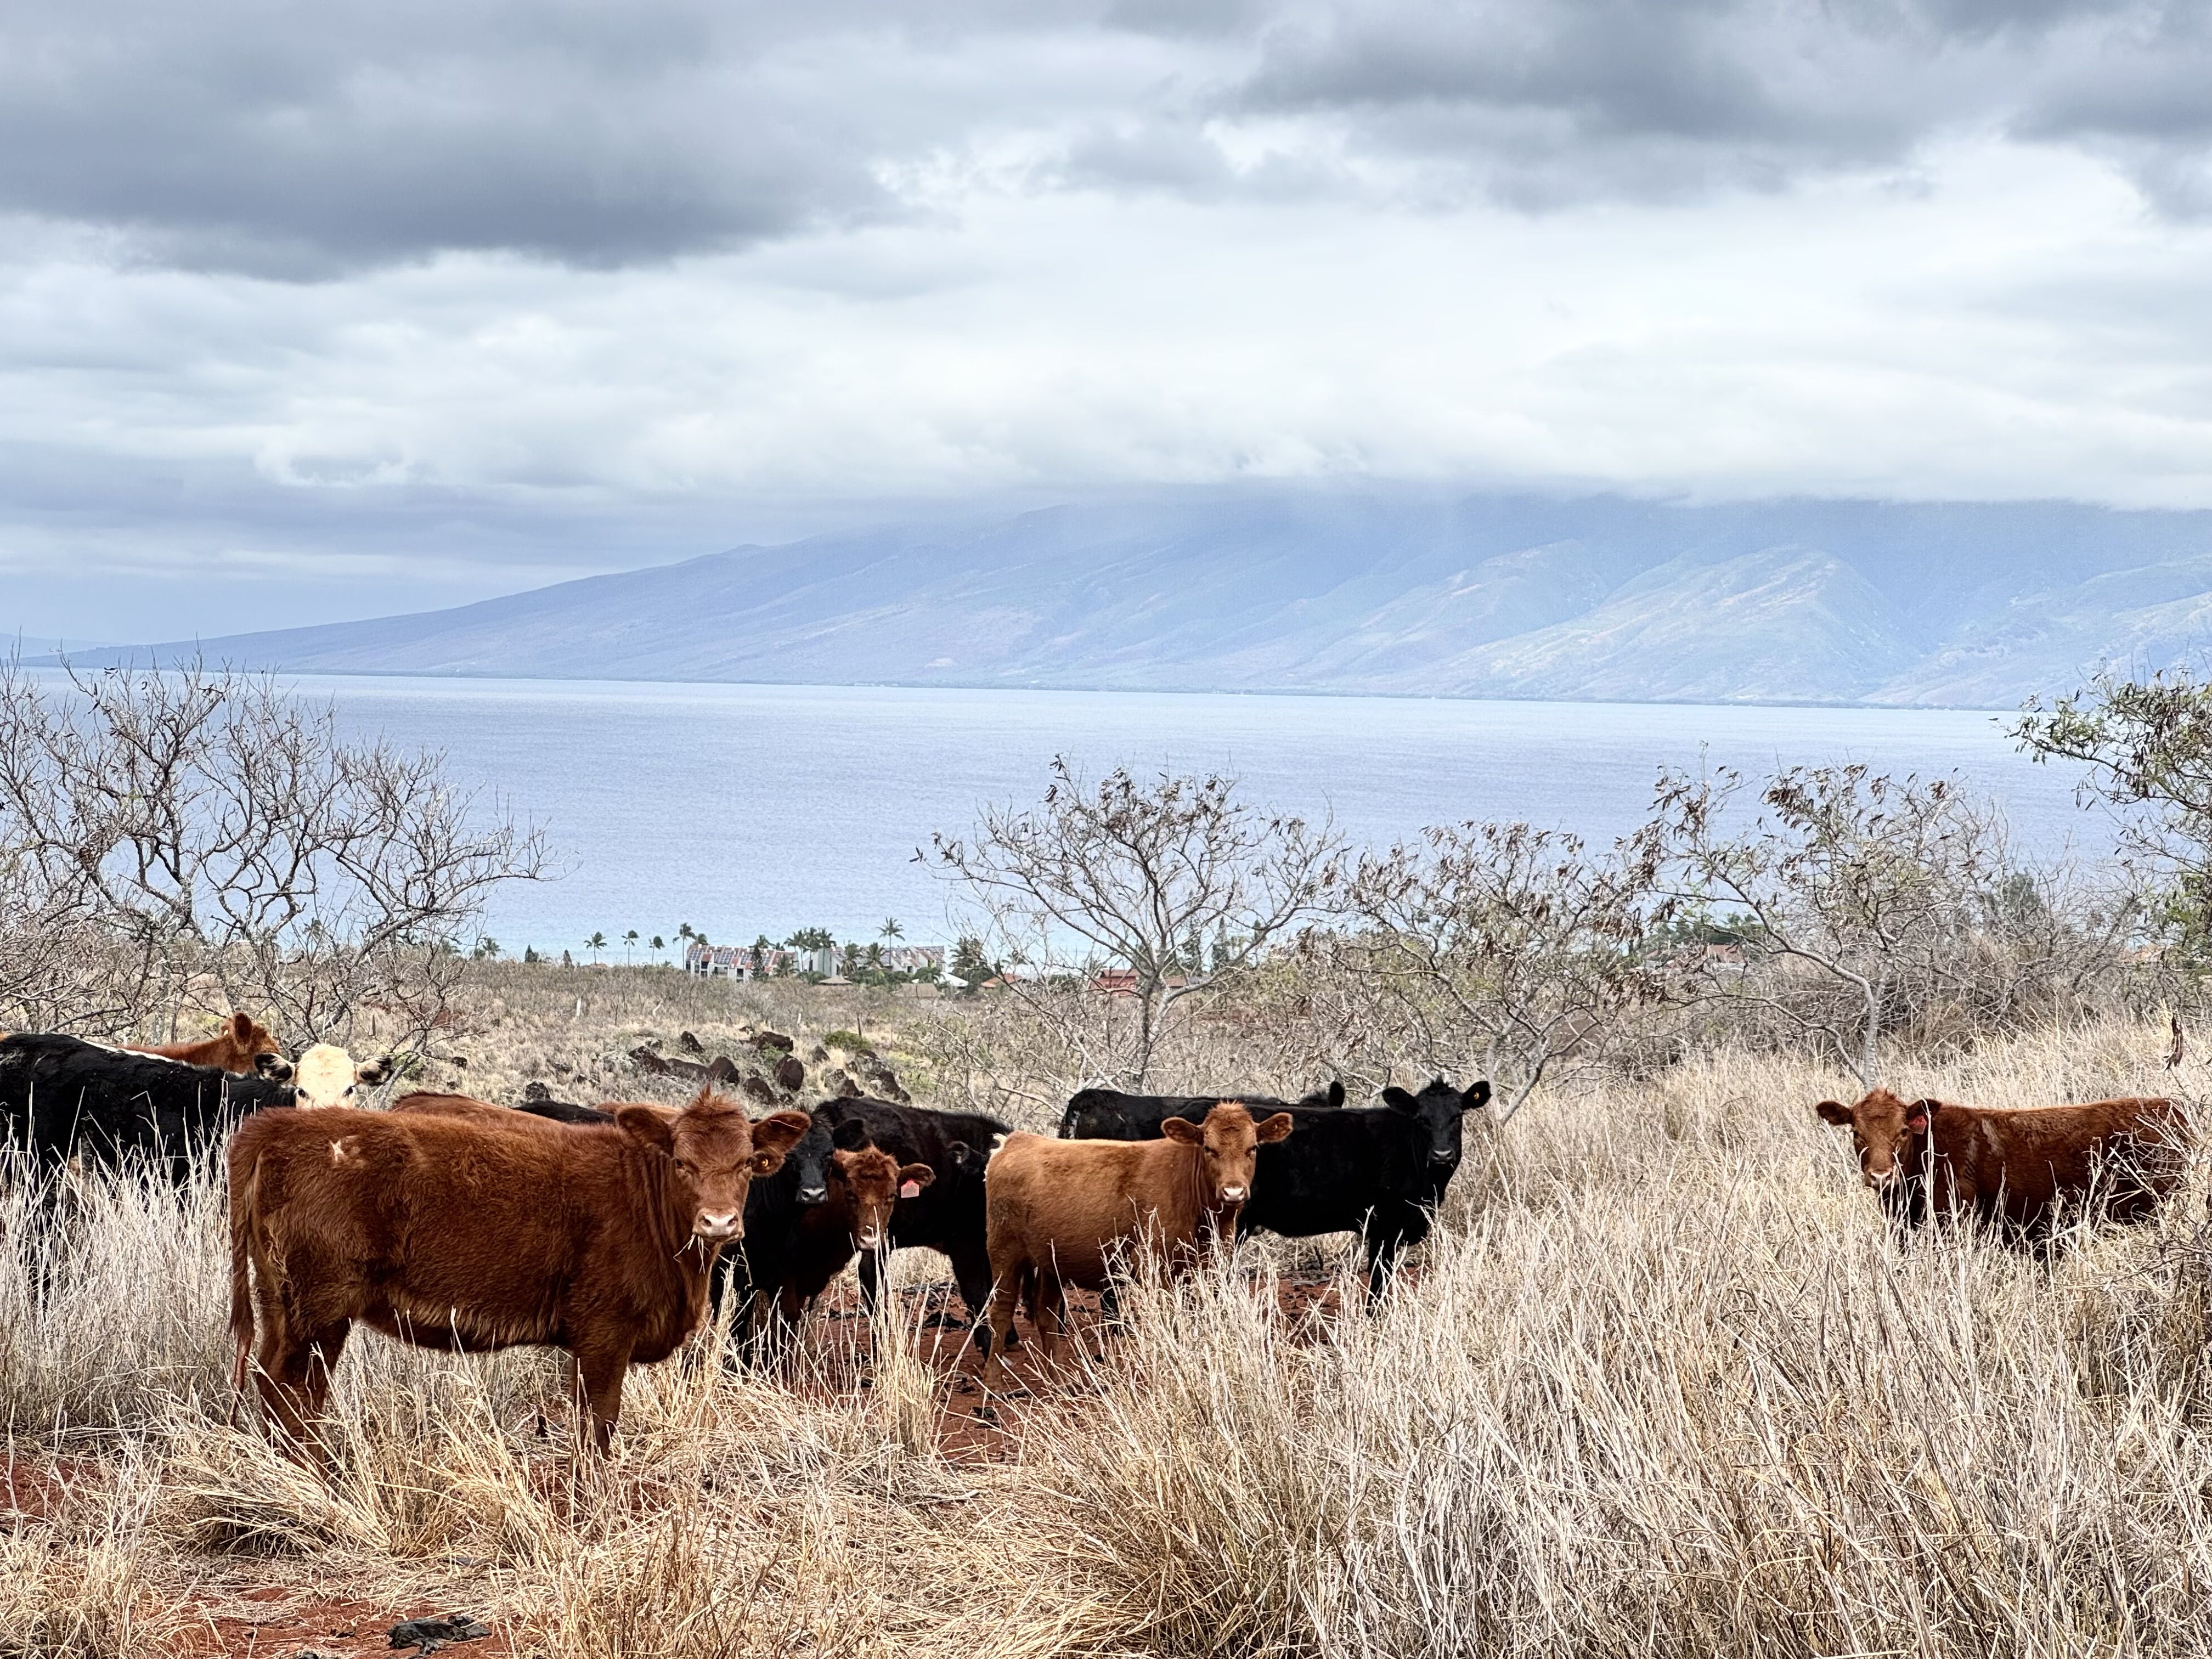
(715, 1228)
(813, 1195)
(1443, 1157)
(1233, 1194)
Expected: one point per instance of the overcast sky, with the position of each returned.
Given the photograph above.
(320, 311)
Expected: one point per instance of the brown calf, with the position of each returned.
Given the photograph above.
(865, 1185)
(1060, 1212)
(2019, 1169)
(243, 1046)
(448, 1231)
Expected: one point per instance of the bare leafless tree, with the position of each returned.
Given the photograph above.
(1502, 947)
(1175, 883)
(1855, 906)
(201, 838)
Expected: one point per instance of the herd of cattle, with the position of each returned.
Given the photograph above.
(611, 1231)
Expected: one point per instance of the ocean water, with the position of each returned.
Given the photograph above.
(753, 808)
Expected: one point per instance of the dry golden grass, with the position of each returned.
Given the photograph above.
(1661, 1385)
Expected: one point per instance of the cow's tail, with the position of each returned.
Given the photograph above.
(245, 1190)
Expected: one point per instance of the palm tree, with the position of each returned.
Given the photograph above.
(629, 939)
(597, 943)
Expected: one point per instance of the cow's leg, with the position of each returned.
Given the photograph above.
(790, 1316)
(1048, 1313)
(294, 1384)
(1384, 1238)
(748, 1339)
(971, 1272)
(601, 1367)
(1003, 1295)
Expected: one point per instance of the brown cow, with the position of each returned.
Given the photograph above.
(453, 1232)
(2019, 1169)
(864, 1186)
(1059, 1213)
(244, 1046)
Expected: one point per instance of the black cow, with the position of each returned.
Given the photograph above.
(64, 1097)
(565, 1111)
(948, 1214)
(763, 1259)
(1380, 1171)
(1109, 1115)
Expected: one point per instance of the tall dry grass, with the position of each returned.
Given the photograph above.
(1662, 1384)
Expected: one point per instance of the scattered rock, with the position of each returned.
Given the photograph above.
(645, 1060)
(536, 1091)
(790, 1075)
(775, 1040)
(722, 1069)
(429, 1635)
(757, 1089)
(690, 1043)
(819, 1054)
(840, 1082)
(560, 1068)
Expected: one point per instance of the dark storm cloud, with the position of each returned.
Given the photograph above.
(312, 141)
(307, 140)
(1546, 102)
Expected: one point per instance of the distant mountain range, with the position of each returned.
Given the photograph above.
(1822, 602)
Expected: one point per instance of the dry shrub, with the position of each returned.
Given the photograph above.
(77, 1585)
(113, 1291)
(1690, 1401)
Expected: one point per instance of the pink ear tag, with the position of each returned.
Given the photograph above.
(910, 1189)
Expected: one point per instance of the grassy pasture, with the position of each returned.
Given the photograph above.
(1662, 1384)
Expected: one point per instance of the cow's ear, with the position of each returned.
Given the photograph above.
(778, 1132)
(1274, 1128)
(375, 1072)
(1833, 1111)
(1336, 1091)
(849, 1136)
(961, 1156)
(643, 1124)
(1478, 1096)
(1181, 1129)
(1917, 1114)
(1399, 1101)
(766, 1163)
(915, 1175)
(241, 1027)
